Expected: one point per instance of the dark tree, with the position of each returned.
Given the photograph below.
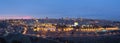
(3, 24)
(2, 40)
(16, 41)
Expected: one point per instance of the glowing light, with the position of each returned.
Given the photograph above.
(25, 30)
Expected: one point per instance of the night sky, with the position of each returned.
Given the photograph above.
(98, 9)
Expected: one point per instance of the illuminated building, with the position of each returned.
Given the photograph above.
(111, 28)
(95, 28)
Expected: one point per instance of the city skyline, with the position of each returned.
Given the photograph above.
(98, 9)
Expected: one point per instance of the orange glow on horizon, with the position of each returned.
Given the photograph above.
(16, 17)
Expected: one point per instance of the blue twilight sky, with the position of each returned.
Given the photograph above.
(100, 9)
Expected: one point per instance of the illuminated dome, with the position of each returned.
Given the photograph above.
(75, 23)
